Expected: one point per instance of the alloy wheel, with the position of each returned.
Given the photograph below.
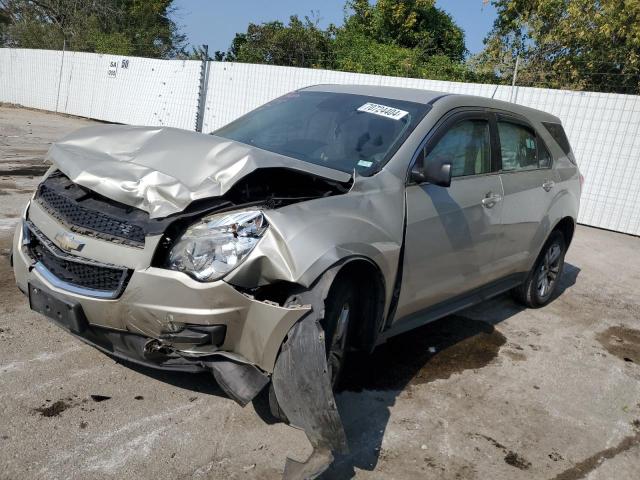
(549, 271)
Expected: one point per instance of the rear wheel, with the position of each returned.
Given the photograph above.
(542, 281)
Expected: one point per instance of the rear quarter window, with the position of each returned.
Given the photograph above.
(559, 135)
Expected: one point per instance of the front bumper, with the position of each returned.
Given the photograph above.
(157, 302)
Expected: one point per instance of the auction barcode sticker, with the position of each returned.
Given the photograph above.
(383, 111)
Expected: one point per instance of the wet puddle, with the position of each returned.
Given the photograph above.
(622, 342)
(435, 351)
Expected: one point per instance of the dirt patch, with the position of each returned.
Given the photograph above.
(621, 341)
(510, 458)
(54, 409)
(582, 469)
(555, 456)
(516, 460)
(436, 351)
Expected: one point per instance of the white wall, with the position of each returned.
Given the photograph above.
(146, 92)
(604, 129)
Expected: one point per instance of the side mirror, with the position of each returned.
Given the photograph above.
(438, 173)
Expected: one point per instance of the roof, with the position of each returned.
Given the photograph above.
(394, 93)
(431, 96)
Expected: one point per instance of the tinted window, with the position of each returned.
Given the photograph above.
(544, 157)
(557, 132)
(467, 146)
(335, 130)
(517, 146)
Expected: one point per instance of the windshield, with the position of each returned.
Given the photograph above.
(336, 130)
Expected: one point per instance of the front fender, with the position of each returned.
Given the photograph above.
(305, 239)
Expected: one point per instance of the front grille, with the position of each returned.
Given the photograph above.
(71, 213)
(79, 272)
(65, 201)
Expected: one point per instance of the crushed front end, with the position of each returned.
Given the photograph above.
(87, 263)
(116, 247)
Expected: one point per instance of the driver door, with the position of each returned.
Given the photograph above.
(451, 232)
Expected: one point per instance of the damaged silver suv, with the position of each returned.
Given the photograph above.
(327, 220)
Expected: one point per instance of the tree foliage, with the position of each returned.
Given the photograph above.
(579, 44)
(301, 43)
(128, 27)
(391, 37)
(413, 24)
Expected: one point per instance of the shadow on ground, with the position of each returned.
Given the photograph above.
(435, 351)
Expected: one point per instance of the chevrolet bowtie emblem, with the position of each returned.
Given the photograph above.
(67, 242)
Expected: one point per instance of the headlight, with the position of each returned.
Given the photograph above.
(217, 244)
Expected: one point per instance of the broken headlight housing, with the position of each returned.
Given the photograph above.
(217, 244)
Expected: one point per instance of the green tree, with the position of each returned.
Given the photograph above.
(391, 37)
(128, 27)
(415, 24)
(577, 44)
(411, 38)
(300, 43)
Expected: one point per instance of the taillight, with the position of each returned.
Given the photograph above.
(581, 180)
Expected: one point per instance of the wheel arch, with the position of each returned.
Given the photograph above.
(567, 226)
(369, 281)
(368, 278)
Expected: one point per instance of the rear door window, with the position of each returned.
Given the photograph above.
(544, 157)
(517, 147)
(467, 145)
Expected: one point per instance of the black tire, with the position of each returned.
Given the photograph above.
(542, 281)
(341, 306)
(274, 406)
(342, 293)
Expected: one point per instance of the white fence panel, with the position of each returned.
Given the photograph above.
(132, 90)
(137, 91)
(30, 77)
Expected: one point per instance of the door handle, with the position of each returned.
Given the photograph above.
(548, 185)
(490, 200)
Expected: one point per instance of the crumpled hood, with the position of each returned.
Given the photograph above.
(163, 170)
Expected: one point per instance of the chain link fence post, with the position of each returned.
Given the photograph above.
(202, 92)
(64, 49)
(513, 98)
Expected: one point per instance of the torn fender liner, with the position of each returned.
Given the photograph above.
(242, 382)
(303, 389)
(163, 170)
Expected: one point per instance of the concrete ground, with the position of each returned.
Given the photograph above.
(496, 392)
